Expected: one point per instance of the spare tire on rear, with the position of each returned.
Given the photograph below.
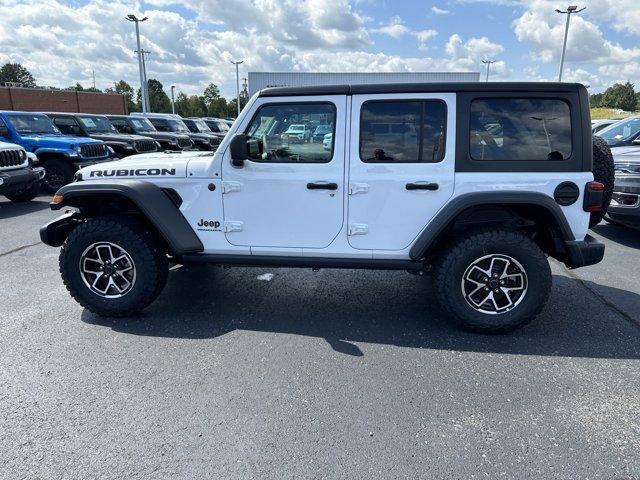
(603, 172)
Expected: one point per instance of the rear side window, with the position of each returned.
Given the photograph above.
(405, 131)
(520, 129)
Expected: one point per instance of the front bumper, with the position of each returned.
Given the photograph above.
(625, 204)
(20, 179)
(581, 253)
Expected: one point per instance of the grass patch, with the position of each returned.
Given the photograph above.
(601, 113)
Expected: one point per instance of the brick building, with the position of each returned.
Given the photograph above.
(43, 100)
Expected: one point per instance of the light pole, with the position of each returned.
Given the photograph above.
(237, 84)
(488, 64)
(570, 9)
(173, 104)
(143, 87)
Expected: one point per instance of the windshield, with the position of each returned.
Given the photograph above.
(97, 125)
(296, 128)
(26, 123)
(177, 125)
(322, 129)
(142, 125)
(202, 126)
(621, 131)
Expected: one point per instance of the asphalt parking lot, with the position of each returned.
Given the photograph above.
(334, 374)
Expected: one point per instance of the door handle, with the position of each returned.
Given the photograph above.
(322, 186)
(421, 186)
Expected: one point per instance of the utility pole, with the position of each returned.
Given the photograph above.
(93, 72)
(173, 104)
(145, 53)
(488, 64)
(143, 86)
(570, 9)
(237, 84)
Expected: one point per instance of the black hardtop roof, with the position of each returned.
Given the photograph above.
(357, 89)
(74, 114)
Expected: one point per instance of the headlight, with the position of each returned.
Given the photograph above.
(76, 148)
(110, 150)
(158, 145)
(23, 155)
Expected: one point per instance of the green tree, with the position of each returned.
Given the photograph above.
(158, 98)
(123, 88)
(232, 106)
(190, 106)
(595, 100)
(218, 108)
(211, 93)
(77, 87)
(620, 95)
(16, 73)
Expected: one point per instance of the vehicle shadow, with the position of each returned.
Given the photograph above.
(629, 237)
(349, 307)
(10, 209)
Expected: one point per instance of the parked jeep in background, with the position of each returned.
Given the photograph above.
(625, 204)
(198, 125)
(167, 122)
(217, 125)
(100, 128)
(60, 155)
(476, 183)
(19, 179)
(624, 133)
(141, 126)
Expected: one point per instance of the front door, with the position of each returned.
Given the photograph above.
(291, 193)
(401, 166)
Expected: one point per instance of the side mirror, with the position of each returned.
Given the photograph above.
(636, 141)
(74, 130)
(239, 150)
(4, 131)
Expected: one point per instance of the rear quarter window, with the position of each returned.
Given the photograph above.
(520, 129)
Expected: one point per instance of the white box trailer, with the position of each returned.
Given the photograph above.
(259, 80)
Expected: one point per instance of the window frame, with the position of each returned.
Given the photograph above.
(481, 99)
(578, 161)
(423, 102)
(315, 102)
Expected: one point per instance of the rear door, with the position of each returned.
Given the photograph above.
(291, 194)
(401, 166)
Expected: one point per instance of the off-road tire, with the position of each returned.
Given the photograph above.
(56, 169)
(139, 242)
(603, 172)
(25, 195)
(464, 251)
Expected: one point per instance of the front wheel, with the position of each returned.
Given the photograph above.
(494, 281)
(58, 174)
(113, 266)
(25, 195)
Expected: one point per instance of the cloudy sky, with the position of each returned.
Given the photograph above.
(193, 41)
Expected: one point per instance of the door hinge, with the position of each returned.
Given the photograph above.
(228, 187)
(355, 188)
(233, 226)
(358, 229)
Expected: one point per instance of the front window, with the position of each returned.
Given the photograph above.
(279, 130)
(201, 126)
(623, 131)
(27, 124)
(520, 129)
(142, 125)
(96, 124)
(169, 125)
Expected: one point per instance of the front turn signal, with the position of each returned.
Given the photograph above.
(57, 199)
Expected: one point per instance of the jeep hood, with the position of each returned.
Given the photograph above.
(144, 166)
(118, 137)
(61, 142)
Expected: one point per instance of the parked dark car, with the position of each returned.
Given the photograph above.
(198, 125)
(101, 128)
(319, 133)
(217, 125)
(139, 125)
(167, 122)
(624, 133)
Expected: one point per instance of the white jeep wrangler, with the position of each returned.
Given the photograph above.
(477, 182)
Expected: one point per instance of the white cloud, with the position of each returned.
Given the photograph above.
(394, 28)
(423, 36)
(439, 11)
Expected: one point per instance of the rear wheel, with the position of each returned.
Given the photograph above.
(113, 266)
(603, 172)
(494, 281)
(58, 174)
(25, 195)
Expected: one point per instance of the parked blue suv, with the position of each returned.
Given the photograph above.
(59, 154)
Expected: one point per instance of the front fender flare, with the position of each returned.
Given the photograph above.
(152, 202)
